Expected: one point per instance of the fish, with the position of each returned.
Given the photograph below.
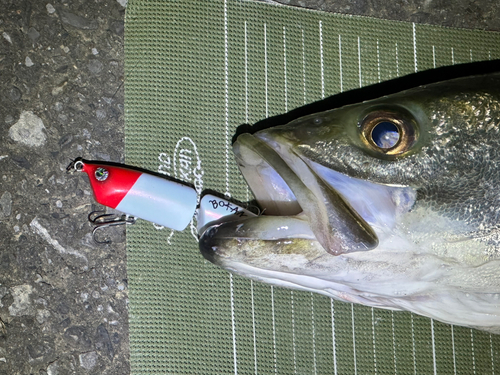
(392, 203)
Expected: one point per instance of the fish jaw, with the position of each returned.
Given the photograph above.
(281, 251)
(288, 261)
(397, 275)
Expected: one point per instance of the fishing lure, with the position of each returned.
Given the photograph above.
(141, 194)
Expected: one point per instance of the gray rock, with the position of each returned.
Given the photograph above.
(58, 106)
(21, 161)
(118, 27)
(100, 114)
(95, 66)
(9, 119)
(88, 360)
(38, 349)
(5, 205)
(22, 300)
(29, 130)
(7, 37)
(52, 368)
(3, 292)
(65, 140)
(77, 21)
(77, 337)
(14, 94)
(116, 338)
(103, 342)
(65, 323)
(50, 8)
(42, 316)
(33, 34)
(63, 308)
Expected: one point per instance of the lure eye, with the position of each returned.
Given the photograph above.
(101, 174)
(389, 133)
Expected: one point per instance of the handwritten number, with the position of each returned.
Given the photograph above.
(228, 206)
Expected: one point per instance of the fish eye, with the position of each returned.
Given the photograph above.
(390, 133)
(385, 134)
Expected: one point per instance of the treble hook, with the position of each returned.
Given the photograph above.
(108, 220)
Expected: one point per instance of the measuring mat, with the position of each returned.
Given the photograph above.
(195, 71)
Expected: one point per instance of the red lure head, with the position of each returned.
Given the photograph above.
(109, 183)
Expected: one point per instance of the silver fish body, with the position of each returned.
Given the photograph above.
(392, 203)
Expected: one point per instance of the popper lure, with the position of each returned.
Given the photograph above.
(144, 195)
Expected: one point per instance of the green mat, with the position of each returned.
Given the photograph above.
(194, 72)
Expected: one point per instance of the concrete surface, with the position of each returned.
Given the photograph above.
(471, 14)
(63, 298)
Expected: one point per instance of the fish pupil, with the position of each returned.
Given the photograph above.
(385, 134)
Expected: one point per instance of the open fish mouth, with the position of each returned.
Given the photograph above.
(311, 213)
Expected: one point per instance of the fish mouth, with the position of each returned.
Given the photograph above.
(309, 212)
